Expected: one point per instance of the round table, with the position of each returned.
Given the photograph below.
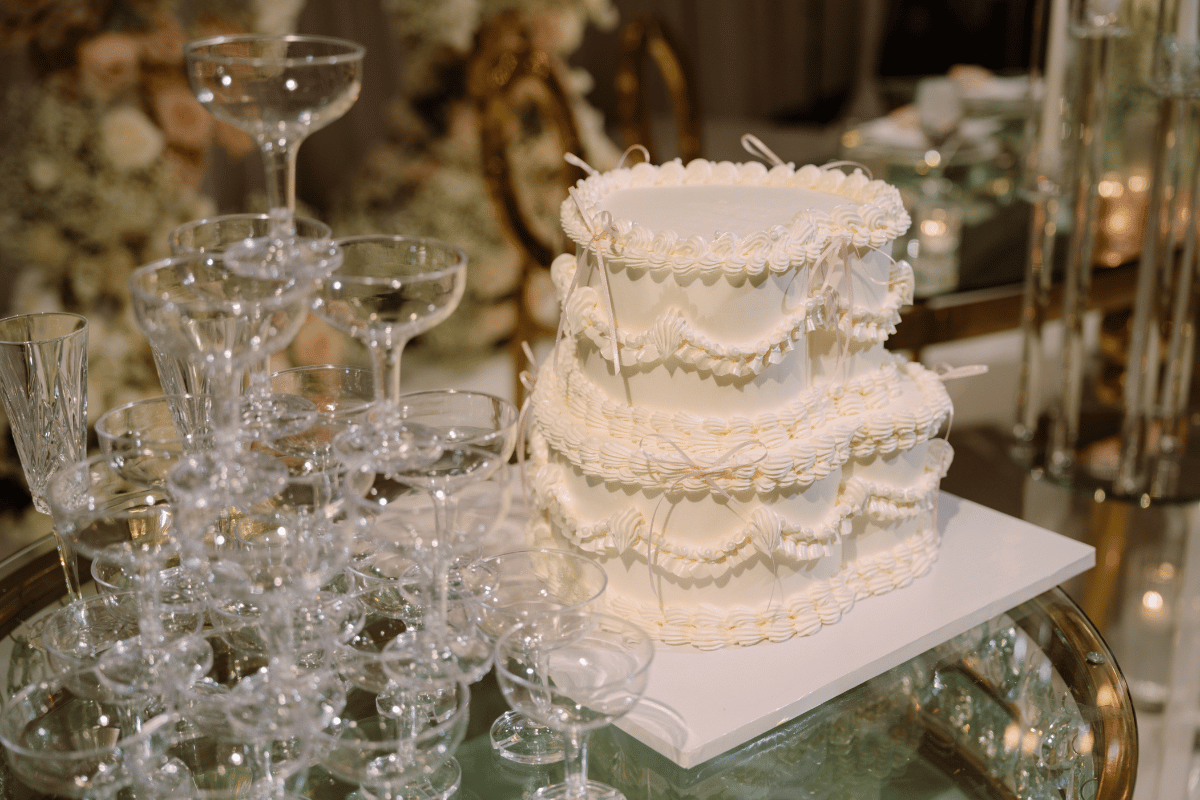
(1030, 699)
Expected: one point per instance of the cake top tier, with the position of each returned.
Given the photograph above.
(730, 218)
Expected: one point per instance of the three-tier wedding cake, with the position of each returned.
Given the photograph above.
(720, 425)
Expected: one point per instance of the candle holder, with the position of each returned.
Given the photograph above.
(937, 223)
(1158, 375)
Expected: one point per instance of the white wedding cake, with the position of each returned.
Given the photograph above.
(719, 424)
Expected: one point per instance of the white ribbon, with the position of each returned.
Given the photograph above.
(755, 147)
(528, 378)
(843, 163)
(948, 373)
(601, 228)
(945, 372)
(722, 465)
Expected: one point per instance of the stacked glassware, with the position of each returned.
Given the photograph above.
(287, 576)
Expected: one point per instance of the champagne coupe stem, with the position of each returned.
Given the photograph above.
(226, 404)
(443, 512)
(279, 160)
(259, 374)
(149, 606)
(575, 763)
(385, 361)
(70, 564)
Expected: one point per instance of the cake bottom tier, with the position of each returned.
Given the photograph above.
(795, 604)
(746, 593)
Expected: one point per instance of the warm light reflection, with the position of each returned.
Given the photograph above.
(1111, 187)
(933, 158)
(1139, 182)
(1083, 745)
(1031, 741)
(1164, 572)
(933, 227)
(1118, 222)
(1152, 601)
(1012, 737)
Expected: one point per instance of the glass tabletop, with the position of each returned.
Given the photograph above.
(1028, 704)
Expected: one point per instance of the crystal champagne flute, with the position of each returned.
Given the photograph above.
(193, 307)
(278, 89)
(43, 385)
(265, 413)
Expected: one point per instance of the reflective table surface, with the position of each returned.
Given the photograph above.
(1028, 704)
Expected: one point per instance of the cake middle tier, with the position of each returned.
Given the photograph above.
(791, 477)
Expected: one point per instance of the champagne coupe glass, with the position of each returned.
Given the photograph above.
(64, 744)
(528, 582)
(265, 413)
(270, 561)
(387, 290)
(574, 671)
(278, 89)
(125, 523)
(478, 434)
(182, 758)
(144, 439)
(452, 648)
(342, 396)
(193, 307)
(78, 634)
(394, 757)
(43, 385)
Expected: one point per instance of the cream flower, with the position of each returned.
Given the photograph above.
(44, 173)
(557, 31)
(45, 246)
(128, 139)
(108, 64)
(183, 120)
(498, 275)
(317, 343)
(164, 42)
(277, 16)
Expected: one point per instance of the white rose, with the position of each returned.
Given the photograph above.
(129, 139)
(497, 274)
(45, 246)
(277, 16)
(44, 174)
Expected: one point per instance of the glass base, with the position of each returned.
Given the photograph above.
(560, 791)
(520, 739)
(440, 785)
(275, 416)
(266, 258)
(131, 669)
(388, 448)
(208, 480)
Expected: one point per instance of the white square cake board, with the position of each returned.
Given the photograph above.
(701, 703)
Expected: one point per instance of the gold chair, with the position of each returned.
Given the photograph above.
(505, 74)
(646, 36)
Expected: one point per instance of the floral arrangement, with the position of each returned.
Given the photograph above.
(112, 155)
(110, 158)
(426, 176)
